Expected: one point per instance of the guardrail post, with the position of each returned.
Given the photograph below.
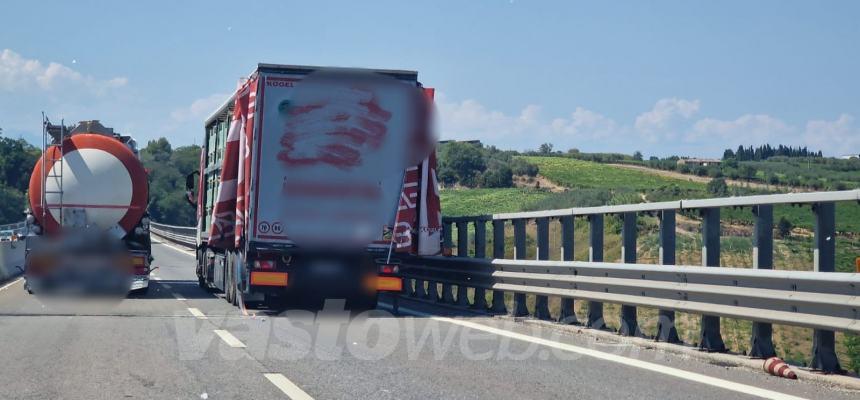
(542, 302)
(666, 331)
(447, 290)
(710, 338)
(761, 343)
(629, 324)
(519, 309)
(567, 315)
(823, 341)
(595, 254)
(433, 290)
(498, 306)
(480, 300)
(462, 251)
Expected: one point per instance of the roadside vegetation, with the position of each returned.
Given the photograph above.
(167, 168)
(17, 158)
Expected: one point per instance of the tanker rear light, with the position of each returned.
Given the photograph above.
(138, 264)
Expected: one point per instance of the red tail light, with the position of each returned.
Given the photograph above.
(264, 264)
(389, 269)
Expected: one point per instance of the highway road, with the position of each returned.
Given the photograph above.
(181, 342)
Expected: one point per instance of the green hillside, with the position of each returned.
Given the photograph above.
(575, 173)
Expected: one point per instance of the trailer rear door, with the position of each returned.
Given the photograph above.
(276, 167)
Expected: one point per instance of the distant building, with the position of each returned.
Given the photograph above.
(699, 162)
(849, 156)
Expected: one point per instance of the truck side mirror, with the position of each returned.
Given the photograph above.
(190, 196)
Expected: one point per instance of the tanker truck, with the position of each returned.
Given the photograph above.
(87, 222)
(313, 184)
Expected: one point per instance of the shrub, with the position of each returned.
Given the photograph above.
(784, 227)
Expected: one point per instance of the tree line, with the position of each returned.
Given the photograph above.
(766, 151)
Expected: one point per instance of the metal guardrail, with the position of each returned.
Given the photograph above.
(184, 235)
(813, 300)
(824, 300)
(17, 228)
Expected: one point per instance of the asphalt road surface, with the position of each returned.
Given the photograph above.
(181, 342)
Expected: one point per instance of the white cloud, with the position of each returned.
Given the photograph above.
(749, 128)
(584, 122)
(668, 128)
(19, 73)
(838, 137)
(199, 109)
(663, 114)
(469, 119)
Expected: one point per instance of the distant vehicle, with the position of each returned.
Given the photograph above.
(260, 168)
(88, 194)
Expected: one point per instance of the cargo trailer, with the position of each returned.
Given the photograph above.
(256, 243)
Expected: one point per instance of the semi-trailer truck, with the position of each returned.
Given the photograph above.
(295, 172)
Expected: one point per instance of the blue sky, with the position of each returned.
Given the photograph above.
(663, 77)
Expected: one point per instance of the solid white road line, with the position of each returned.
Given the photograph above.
(197, 313)
(678, 373)
(228, 338)
(288, 387)
(20, 279)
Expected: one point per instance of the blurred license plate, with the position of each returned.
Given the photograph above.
(327, 268)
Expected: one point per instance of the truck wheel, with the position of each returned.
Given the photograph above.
(237, 294)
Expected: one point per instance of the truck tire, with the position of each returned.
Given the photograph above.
(228, 278)
(234, 285)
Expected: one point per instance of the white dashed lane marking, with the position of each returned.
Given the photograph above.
(197, 313)
(228, 338)
(288, 387)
